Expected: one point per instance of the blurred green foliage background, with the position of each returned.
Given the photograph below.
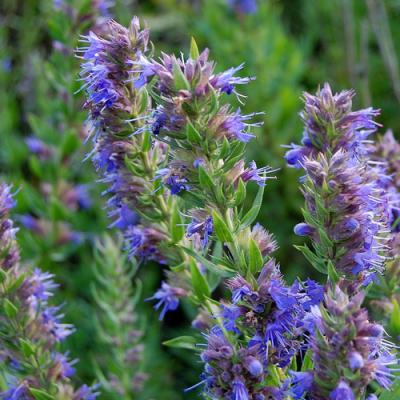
(288, 45)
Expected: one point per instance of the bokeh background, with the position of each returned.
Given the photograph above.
(289, 46)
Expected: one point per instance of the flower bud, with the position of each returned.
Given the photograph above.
(303, 229)
(356, 360)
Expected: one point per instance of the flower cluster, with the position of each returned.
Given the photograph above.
(345, 215)
(115, 108)
(346, 218)
(387, 157)
(31, 327)
(348, 351)
(346, 205)
(262, 328)
(330, 124)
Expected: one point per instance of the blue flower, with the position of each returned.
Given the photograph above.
(19, 392)
(50, 321)
(282, 296)
(244, 6)
(143, 242)
(125, 217)
(38, 147)
(303, 229)
(168, 298)
(342, 392)
(239, 390)
(301, 383)
(65, 366)
(230, 315)
(226, 81)
(201, 225)
(41, 285)
(86, 392)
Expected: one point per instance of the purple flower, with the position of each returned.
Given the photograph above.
(303, 229)
(86, 392)
(343, 329)
(41, 285)
(49, 322)
(174, 177)
(282, 295)
(201, 225)
(243, 6)
(38, 147)
(143, 242)
(356, 360)
(226, 81)
(357, 218)
(177, 184)
(125, 217)
(239, 390)
(32, 223)
(9, 251)
(233, 125)
(264, 240)
(251, 173)
(168, 298)
(342, 392)
(231, 371)
(254, 366)
(301, 383)
(314, 294)
(19, 392)
(64, 366)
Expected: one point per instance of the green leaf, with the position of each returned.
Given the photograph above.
(315, 261)
(326, 242)
(221, 230)
(146, 141)
(177, 228)
(307, 362)
(27, 348)
(393, 393)
(144, 102)
(10, 309)
(192, 133)
(3, 275)
(200, 285)
(395, 317)
(180, 80)
(218, 269)
(35, 166)
(40, 394)
(332, 273)
(69, 144)
(225, 148)
(194, 50)
(256, 260)
(240, 193)
(214, 104)
(205, 180)
(182, 342)
(252, 214)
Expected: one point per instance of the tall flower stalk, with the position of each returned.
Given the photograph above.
(31, 327)
(135, 147)
(119, 366)
(346, 218)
